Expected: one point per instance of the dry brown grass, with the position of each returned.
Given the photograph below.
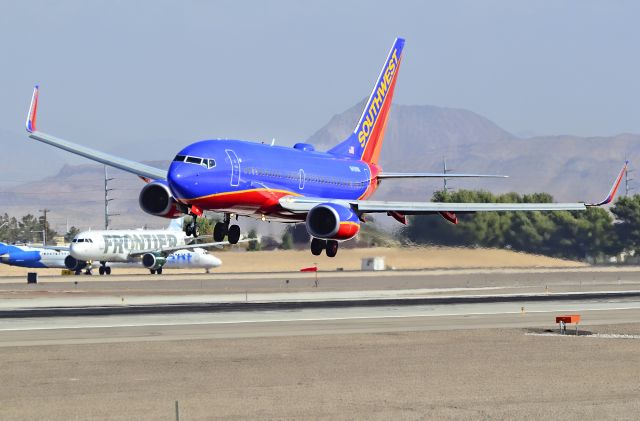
(349, 259)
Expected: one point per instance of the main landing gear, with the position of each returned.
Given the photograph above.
(222, 229)
(104, 269)
(330, 246)
(154, 271)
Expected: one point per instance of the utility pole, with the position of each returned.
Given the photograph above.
(107, 199)
(445, 170)
(627, 188)
(44, 226)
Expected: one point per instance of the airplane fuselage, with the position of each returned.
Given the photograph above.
(116, 245)
(44, 258)
(32, 257)
(249, 178)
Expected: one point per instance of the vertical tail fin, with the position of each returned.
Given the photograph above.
(366, 140)
(176, 224)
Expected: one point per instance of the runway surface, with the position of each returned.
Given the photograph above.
(311, 321)
(452, 345)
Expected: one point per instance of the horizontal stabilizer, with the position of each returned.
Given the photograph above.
(388, 175)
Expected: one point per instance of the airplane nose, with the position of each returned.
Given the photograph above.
(76, 250)
(212, 261)
(183, 181)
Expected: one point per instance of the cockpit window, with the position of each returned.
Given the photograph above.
(194, 160)
(81, 240)
(205, 162)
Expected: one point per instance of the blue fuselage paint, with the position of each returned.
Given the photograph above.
(31, 257)
(248, 175)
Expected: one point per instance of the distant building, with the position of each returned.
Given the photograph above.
(373, 263)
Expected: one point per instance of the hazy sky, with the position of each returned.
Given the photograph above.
(147, 77)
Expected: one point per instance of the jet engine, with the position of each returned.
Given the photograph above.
(330, 221)
(153, 261)
(156, 199)
(74, 264)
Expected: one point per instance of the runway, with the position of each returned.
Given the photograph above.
(244, 323)
(419, 345)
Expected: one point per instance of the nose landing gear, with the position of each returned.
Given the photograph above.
(192, 228)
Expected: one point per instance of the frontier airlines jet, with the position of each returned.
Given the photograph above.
(155, 249)
(327, 190)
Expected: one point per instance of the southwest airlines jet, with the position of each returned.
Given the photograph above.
(327, 190)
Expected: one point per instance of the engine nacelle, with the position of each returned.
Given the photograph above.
(74, 264)
(332, 222)
(153, 261)
(156, 199)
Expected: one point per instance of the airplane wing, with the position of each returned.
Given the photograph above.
(56, 248)
(134, 167)
(388, 175)
(304, 204)
(169, 250)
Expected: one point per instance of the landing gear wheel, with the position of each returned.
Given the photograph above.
(317, 245)
(101, 270)
(159, 271)
(219, 231)
(234, 234)
(153, 271)
(87, 272)
(332, 248)
(192, 227)
(107, 270)
(78, 272)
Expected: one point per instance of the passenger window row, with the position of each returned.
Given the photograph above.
(296, 176)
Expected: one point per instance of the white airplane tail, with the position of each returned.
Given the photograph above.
(176, 224)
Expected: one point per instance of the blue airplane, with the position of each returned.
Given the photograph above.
(32, 257)
(327, 190)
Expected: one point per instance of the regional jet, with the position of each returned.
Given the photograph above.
(327, 190)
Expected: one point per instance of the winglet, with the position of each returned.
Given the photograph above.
(614, 188)
(33, 111)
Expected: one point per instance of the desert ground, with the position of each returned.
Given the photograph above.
(463, 374)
